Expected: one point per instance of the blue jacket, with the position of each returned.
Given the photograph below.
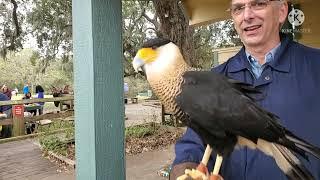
(4, 97)
(40, 95)
(25, 89)
(291, 83)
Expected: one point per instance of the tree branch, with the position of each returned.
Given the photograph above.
(17, 33)
(15, 18)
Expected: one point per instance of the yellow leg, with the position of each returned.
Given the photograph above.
(206, 155)
(201, 170)
(217, 165)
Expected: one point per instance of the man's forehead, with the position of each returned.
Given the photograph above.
(240, 1)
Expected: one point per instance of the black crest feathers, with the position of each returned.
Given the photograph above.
(155, 43)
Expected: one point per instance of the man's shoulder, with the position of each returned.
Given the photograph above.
(305, 50)
(303, 54)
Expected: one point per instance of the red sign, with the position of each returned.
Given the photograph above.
(18, 110)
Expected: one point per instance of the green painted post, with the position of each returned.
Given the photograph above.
(99, 108)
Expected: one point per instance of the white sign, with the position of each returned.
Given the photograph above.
(296, 17)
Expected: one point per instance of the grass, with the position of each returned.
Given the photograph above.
(60, 143)
(57, 143)
(140, 131)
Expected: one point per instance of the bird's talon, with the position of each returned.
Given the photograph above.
(202, 168)
(215, 177)
(196, 174)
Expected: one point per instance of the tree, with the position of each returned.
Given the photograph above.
(175, 26)
(10, 26)
(208, 38)
(23, 67)
(135, 30)
(51, 25)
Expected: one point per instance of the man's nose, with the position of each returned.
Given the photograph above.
(248, 13)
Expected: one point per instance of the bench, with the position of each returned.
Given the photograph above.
(134, 100)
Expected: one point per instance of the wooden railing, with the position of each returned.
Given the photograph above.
(35, 100)
(19, 122)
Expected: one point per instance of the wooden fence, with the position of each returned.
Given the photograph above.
(18, 122)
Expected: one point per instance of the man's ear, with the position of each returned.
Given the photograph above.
(283, 12)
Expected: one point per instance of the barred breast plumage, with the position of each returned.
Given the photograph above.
(167, 89)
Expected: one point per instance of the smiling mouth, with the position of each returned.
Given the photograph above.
(252, 28)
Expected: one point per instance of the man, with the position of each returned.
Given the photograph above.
(287, 74)
(5, 130)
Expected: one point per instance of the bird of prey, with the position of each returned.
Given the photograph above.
(219, 109)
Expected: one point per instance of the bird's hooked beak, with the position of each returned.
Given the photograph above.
(143, 56)
(137, 64)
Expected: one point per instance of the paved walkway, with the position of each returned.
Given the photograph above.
(142, 113)
(22, 160)
(146, 165)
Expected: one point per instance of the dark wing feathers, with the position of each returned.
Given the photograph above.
(205, 95)
(298, 171)
(243, 87)
(219, 107)
(246, 90)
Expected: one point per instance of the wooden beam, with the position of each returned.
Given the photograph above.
(17, 138)
(4, 122)
(51, 116)
(35, 100)
(201, 12)
(98, 74)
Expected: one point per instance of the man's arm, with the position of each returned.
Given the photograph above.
(178, 170)
(189, 151)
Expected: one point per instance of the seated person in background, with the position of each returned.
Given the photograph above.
(125, 92)
(26, 89)
(6, 130)
(30, 126)
(40, 94)
(66, 90)
(5, 90)
(5, 109)
(13, 93)
(29, 96)
(126, 88)
(16, 90)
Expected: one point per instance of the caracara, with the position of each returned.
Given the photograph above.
(219, 109)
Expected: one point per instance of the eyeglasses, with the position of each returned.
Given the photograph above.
(238, 8)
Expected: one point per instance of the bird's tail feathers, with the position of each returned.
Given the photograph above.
(303, 145)
(290, 164)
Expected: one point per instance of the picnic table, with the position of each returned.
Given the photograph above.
(32, 108)
(3, 116)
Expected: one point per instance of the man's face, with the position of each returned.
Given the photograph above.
(256, 23)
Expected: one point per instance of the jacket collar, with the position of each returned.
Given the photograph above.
(280, 63)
